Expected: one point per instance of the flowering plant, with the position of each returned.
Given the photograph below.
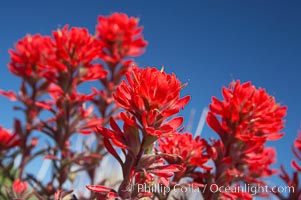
(131, 114)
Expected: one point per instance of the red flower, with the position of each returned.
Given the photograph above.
(120, 36)
(153, 165)
(248, 113)
(149, 167)
(191, 151)
(76, 48)
(152, 96)
(121, 139)
(19, 186)
(31, 56)
(292, 180)
(92, 72)
(8, 140)
(259, 162)
(297, 152)
(105, 192)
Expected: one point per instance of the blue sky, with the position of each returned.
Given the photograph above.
(206, 44)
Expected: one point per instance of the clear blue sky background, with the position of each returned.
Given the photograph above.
(205, 43)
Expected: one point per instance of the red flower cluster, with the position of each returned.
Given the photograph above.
(58, 66)
(52, 70)
(186, 150)
(248, 118)
(8, 140)
(71, 51)
(152, 96)
(248, 113)
(120, 37)
(31, 57)
(259, 162)
(76, 48)
(297, 152)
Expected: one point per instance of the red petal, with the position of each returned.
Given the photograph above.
(296, 166)
(115, 127)
(275, 136)
(164, 181)
(163, 174)
(98, 188)
(172, 124)
(9, 94)
(139, 102)
(214, 123)
(170, 112)
(43, 105)
(93, 122)
(111, 150)
(227, 160)
(51, 157)
(216, 106)
(112, 195)
(176, 122)
(183, 101)
(128, 120)
(168, 168)
(108, 134)
(85, 132)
